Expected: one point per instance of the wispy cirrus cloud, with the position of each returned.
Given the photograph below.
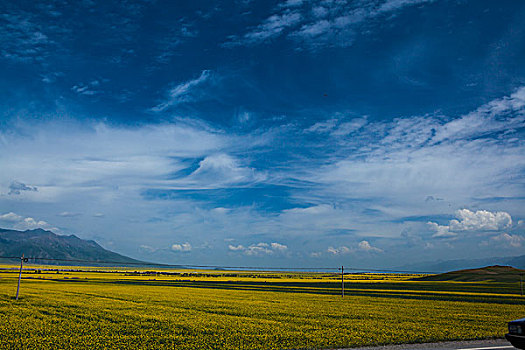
(411, 156)
(317, 24)
(356, 191)
(184, 92)
(501, 114)
(25, 38)
(88, 89)
(272, 27)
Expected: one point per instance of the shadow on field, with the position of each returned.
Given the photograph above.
(379, 290)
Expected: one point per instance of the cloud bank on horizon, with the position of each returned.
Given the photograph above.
(283, 132)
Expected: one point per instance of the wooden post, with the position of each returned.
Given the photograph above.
(20, 275)
(342, 281)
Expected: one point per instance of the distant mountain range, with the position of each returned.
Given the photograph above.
(461, 264)
(46, 244)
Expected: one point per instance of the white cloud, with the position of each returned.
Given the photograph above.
(339, 251)
(11, 217)
(315, 210)
(278, 247)
(18, 222)
(272, 27)
(291, 3)
(184, 247)
(183, 92)
(441, 231)
(338, 127)
(218, 170)
(513, 241)
(363, 246)
(101, 159)
(367, 247)
(68, 214)
(498, 115)
(481, 220)
(347, 128)
(260, 249)
(397, 164)
(393, 5)
(320, 23)
(147, 248)
(88, 89)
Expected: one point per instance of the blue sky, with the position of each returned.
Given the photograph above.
(285, 133)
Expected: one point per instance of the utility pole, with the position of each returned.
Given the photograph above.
(22, 260)
(521, 283)
(342, 281)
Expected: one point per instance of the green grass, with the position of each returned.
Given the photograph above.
(86, 310)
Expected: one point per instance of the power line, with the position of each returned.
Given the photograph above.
(222, 266)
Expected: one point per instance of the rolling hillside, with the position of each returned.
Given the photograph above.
(494, 273)
(46, 244)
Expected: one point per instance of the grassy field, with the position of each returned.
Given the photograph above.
(233, 310)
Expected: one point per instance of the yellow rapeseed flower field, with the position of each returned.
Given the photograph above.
(119, 309)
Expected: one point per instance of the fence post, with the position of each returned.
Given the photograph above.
(342, 281)
(20, 275)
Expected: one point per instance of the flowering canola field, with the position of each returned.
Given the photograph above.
(120, 309)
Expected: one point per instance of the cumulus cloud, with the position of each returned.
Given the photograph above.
(441, 231)
(184, 247)
(367, 247)
(507, 240)
(146, 248)
(362, 246)
(15, 188)
(220, 169)
(183, 92)
(18, 222)
(481, 220)
(11, 217)
(339, 250)
(260, 249)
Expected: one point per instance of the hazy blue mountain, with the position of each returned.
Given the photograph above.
(40, 243)
(450, 265)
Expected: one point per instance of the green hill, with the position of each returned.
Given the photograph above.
(494, 273)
